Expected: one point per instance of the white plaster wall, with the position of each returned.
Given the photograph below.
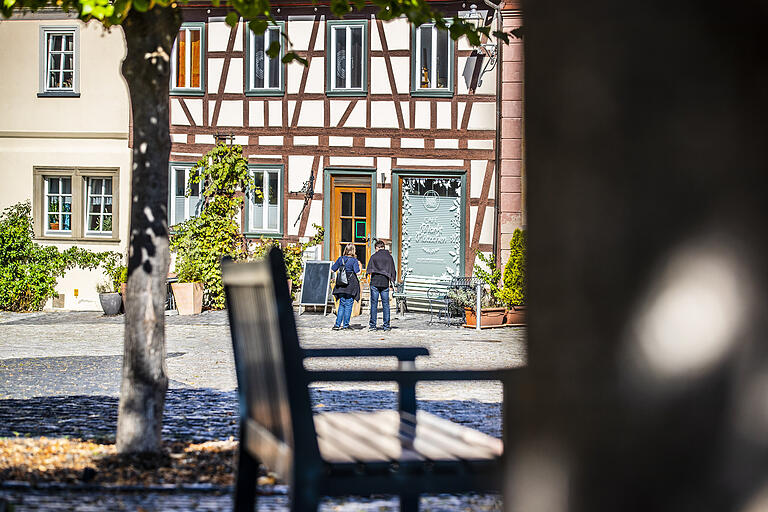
(195, 108)
(305, 140)
(256, 113)
(315, 214)
(177, 113)
(205, 139)
(383, 213)
(486, 234)
(383, 114)
(299, 169)
(218, 36)
(482, 116)
(423, 114)
(460, 106)
(103, 103)
(476, 176)
(379, 76)
(21, 155)
(429, 162)
(312, 113)
(398, 34)
(337, 109)
(401, 68)
(213, 76)
(275, 113)
(358, 161)
(234, 82)
(340, 141)
(315, 76)
(406, 109)
(357, 118)
(411, 143)
(378, 142)
(446, 143)
(300, 31)
(294, 210)
(230, 113)
(443, 115)
(479, 144)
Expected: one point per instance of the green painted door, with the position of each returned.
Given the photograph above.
(431, 227)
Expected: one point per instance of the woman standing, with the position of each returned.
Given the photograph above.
(348, 294)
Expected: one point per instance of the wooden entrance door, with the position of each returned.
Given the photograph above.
(351, 221)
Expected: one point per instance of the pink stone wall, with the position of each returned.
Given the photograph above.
(512, 180)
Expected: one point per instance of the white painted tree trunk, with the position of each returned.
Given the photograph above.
(146, 68)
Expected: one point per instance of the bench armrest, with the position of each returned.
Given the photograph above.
(408, 376)
(401, 353)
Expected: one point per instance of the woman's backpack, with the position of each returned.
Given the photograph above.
(341, 276)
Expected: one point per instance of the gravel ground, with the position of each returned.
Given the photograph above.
(59, 376)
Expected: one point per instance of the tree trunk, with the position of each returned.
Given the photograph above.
(146, 68)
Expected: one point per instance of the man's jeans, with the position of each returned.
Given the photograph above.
(344, 313)
(375, 293)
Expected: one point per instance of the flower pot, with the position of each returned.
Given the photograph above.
(110, 303)
(516, 315)
(488, 317)
(188, 297)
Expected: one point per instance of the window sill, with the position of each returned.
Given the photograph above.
(432, 93)
(265, 92)
(344, 92)
(187, 92)
(58, 94)
(89, 239)
(254, 235)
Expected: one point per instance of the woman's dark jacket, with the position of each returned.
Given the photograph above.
(351, 266)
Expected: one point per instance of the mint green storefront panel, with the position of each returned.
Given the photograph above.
(431, 227)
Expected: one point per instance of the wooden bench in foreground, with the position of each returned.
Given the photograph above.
(402, 452)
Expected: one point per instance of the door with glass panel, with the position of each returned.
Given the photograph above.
(351, 221)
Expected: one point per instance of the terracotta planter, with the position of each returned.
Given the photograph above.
(189, 298)
(516, 315)
(110, 303)
(488, 317)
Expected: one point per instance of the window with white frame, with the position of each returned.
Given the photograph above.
(187, 59)
(265, 73)
(58, 205)
(433, 58)
(99, 206)
(183, 206)
(77, 203)
(347, 57)
(59, 61)
(265, 207)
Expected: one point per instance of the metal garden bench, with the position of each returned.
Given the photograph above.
(402, 452)
(421, 294)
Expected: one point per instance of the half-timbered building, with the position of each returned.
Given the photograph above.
(390, 132)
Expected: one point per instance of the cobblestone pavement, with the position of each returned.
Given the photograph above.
(59, 375)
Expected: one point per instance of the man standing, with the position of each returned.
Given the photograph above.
(381, 268)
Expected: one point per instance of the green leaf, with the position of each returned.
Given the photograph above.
(293, 56)
(141, 5)
(501, 35)
(258, 26)
(273, 50)
(232, 18)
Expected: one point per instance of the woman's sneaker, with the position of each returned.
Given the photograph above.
(335, 328)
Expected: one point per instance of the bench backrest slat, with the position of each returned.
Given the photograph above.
(271, 381)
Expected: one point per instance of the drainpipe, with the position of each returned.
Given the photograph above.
(497, 155)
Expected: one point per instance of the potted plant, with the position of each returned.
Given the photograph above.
(493, 311)
(515, 281)
(466, 298)
(116, 273)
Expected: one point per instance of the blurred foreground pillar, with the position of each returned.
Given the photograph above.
(647, 158)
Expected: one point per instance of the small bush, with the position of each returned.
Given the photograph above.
(515, 279)
(28, 271)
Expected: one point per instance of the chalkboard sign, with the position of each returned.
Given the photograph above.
(315, 283)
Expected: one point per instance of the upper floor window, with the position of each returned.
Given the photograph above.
(433, 61)
(59, 61)
(76, 203)
(183, 206)
(187, 59)
(264, 73)
(264, 210)
(347, 50)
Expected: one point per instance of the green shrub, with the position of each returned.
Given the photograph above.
(201, 242)
(515, 280)
(490, 276)
(116, 272)
(28, 271)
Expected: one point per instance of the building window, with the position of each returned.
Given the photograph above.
(58, 205)
(76, 203)
(264, 74)
(265, 208)
(59, 61)
(347, 46)
(183, 207)
(187, 59)
(99, 206)
(433, 61)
